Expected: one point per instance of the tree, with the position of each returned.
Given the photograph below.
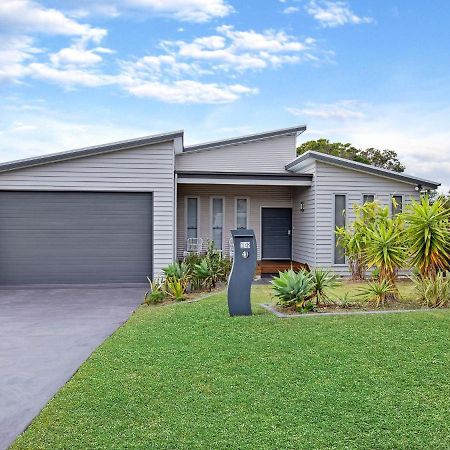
(385, 159)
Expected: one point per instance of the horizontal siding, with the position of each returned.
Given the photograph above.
(268, 155)
(276, 196)
(332, 180)
(303, 235)
(144, 169)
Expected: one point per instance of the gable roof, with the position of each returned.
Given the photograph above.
(303, 160)
(248, 138)
(90, 151)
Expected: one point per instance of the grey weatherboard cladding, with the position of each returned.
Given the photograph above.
(75, 237)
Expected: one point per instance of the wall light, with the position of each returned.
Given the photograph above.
(302, 206)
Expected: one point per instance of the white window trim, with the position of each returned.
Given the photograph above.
(333, 220)
(211, 219)
(186, 215)
(391, 206)
(235, 210)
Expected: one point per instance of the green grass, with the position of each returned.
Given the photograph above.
(186, 376)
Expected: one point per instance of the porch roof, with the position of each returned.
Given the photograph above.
(250, 178)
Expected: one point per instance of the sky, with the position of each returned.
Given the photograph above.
(376, 73)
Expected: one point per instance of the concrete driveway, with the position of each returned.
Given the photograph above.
(45, 335)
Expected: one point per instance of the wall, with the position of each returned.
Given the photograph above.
(268, 155)
(330, 180)
(145, 169)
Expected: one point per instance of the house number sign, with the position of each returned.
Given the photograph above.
(245, 244)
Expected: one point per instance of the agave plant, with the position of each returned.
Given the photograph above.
(293, 288)
(377, 291)
(177, 270)
(428, 231)
(323, 281)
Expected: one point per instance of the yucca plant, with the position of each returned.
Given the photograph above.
(177, 270)
(378, 291)
(323, 280)
(293, 288)
(206, 273)
(176, 289)
(428, 232)
(433, 292)
(386, 249)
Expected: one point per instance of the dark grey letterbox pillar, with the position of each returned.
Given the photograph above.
(242, 272)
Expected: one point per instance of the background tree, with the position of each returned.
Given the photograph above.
(385, 159)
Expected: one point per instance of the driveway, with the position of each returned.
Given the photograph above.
(45, 335)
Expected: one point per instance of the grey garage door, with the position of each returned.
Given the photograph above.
(75, 237)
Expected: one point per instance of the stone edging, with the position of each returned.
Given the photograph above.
(345, 313)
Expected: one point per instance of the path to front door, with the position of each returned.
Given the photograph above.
(276, 230)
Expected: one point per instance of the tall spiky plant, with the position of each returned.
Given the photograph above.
(386, 248)
(428, 232)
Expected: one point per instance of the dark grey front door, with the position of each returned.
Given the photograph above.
(276, 233)
(75, 237)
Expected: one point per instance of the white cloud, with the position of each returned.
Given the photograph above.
(75, 56)
(342, 110)
(188, 91)
(26, 16)
(291, 10)
(334, 13)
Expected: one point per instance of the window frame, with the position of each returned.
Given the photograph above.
(392, 205)
(211, 213)
(186, 215)
(247, 199)
(367, 194)
(334, 240)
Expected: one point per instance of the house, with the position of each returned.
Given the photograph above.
(115, 213)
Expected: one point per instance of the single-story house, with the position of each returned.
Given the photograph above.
(118, 212)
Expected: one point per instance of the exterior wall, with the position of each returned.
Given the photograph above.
(304, 222)
(259, 196)
(269, 156)
(144, 169)
(330, 180)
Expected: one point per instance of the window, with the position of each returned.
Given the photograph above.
(217, 222)
(397, 204)
(241, 213)
(192, 217)
(339, 221)
(368, 198)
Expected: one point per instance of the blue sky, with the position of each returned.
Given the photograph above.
(373, 73)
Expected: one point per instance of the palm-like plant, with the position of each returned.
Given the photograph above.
(323, 281)
(386, 248)
(428, 231)
(377, 291)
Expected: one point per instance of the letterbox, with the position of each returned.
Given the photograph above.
(242, 272)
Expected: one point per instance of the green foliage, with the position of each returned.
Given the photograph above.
(157, 292)
(386, 159)
(377, 291)
(177, 270)
(353, 240)
(428, 233)
(433, 292)
(176, 289)
(323, 282)
(293, 288)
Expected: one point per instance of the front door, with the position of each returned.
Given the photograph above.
(276, 228)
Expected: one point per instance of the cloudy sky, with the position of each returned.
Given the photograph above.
(84, 72)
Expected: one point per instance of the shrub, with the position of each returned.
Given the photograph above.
(206, 273)
(377, 291)
(177, 270)
(433, 292)
(428, 234)
(157, 292)
(176, 289)
(293, 288)
(323, 281)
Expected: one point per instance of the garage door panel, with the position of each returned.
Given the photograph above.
(75, 237)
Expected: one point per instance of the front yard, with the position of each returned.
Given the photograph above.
(187, 376)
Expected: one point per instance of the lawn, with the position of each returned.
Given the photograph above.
(186, 376)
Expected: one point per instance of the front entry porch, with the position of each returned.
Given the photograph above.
(267, 268)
